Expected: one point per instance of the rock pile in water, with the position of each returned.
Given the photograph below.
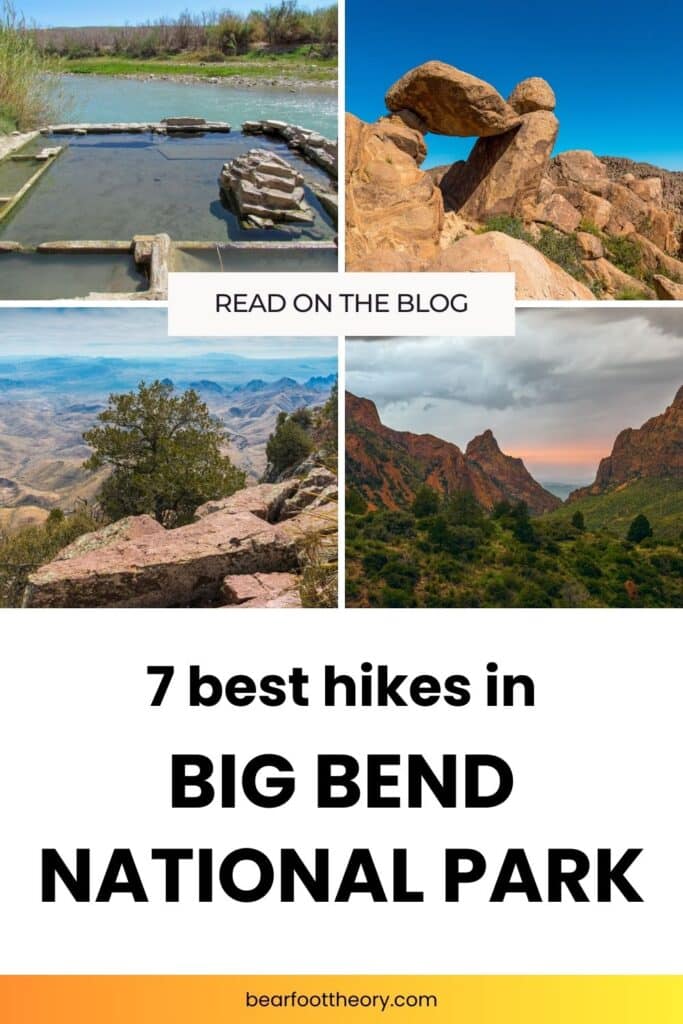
(569, 227)
(265, 189)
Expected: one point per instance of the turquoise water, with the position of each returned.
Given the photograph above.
(100, 99)
(118, 186)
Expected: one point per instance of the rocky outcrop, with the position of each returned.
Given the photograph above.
(262, 590)
(392, 208)
(536, 277)
(509, 474)
(532, 94)
(653, 451)
(387, 466)
(265, 189)
(667, 290)
(312, 145)
(451, 102)
(511, 182)
(257, 534)
(502, 174)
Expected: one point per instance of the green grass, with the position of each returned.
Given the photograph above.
(7, 123)
(291, 64)
(660, 500)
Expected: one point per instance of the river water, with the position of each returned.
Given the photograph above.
(99, 99)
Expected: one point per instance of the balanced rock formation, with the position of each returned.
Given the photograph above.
(257, 534)
(387, 466)
(451, 102)
(653, 451)
(265, 189)
(530, 95)
(614, 226)
(502, 175)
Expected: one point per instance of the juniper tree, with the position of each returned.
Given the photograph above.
(166, 453)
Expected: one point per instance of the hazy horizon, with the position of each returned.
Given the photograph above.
(556, 395)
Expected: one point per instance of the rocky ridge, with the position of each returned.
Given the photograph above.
(247, 550)
(569, 216)
(387, 466)
(653, 451)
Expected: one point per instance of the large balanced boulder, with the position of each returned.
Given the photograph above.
(502, 175)
(451, 102)
(391, 205)
(536, 277)
(265, 189)
(532, 94)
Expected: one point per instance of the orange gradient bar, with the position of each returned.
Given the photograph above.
(480, 999)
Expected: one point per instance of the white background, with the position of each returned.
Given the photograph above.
(85, 761)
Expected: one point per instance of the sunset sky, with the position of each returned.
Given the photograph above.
(556, 395)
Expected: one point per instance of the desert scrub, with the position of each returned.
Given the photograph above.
(509, 225)
(590, 228)
(563, 250)
(625, 254)
(25, 549)
(630, 295)
(26, 94)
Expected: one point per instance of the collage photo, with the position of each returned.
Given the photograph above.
(140, 470)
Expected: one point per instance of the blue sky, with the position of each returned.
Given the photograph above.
(50, 13)
(615, 67)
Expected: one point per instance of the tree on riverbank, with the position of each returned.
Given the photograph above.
(205, 36)
(25, 99)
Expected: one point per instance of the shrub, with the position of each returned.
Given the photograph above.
(26, 97)
(563, 250)
(289, 443)
(24, 550)
(232, 34)
(425, 502)
(578, 522)
(630, 295)
(639, 529)
(512, 226)
(356, 505)
(624, 253)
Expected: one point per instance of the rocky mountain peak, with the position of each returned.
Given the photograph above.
(483, 444)
(388, 466)
(652, 451)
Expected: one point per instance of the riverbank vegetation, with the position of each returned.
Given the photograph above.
(25, 93)
(280, 33)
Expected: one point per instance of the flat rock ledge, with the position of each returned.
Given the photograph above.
(167, 126)
(312, 145)
(265, 190)
(243, 551)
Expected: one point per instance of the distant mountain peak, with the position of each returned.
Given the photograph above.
(482, 443)
(652, 451)
(389, 465)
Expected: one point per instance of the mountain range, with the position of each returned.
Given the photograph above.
(387, 466)
(613, 544)
(47, 404)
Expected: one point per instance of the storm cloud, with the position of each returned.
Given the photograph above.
(556, 394)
